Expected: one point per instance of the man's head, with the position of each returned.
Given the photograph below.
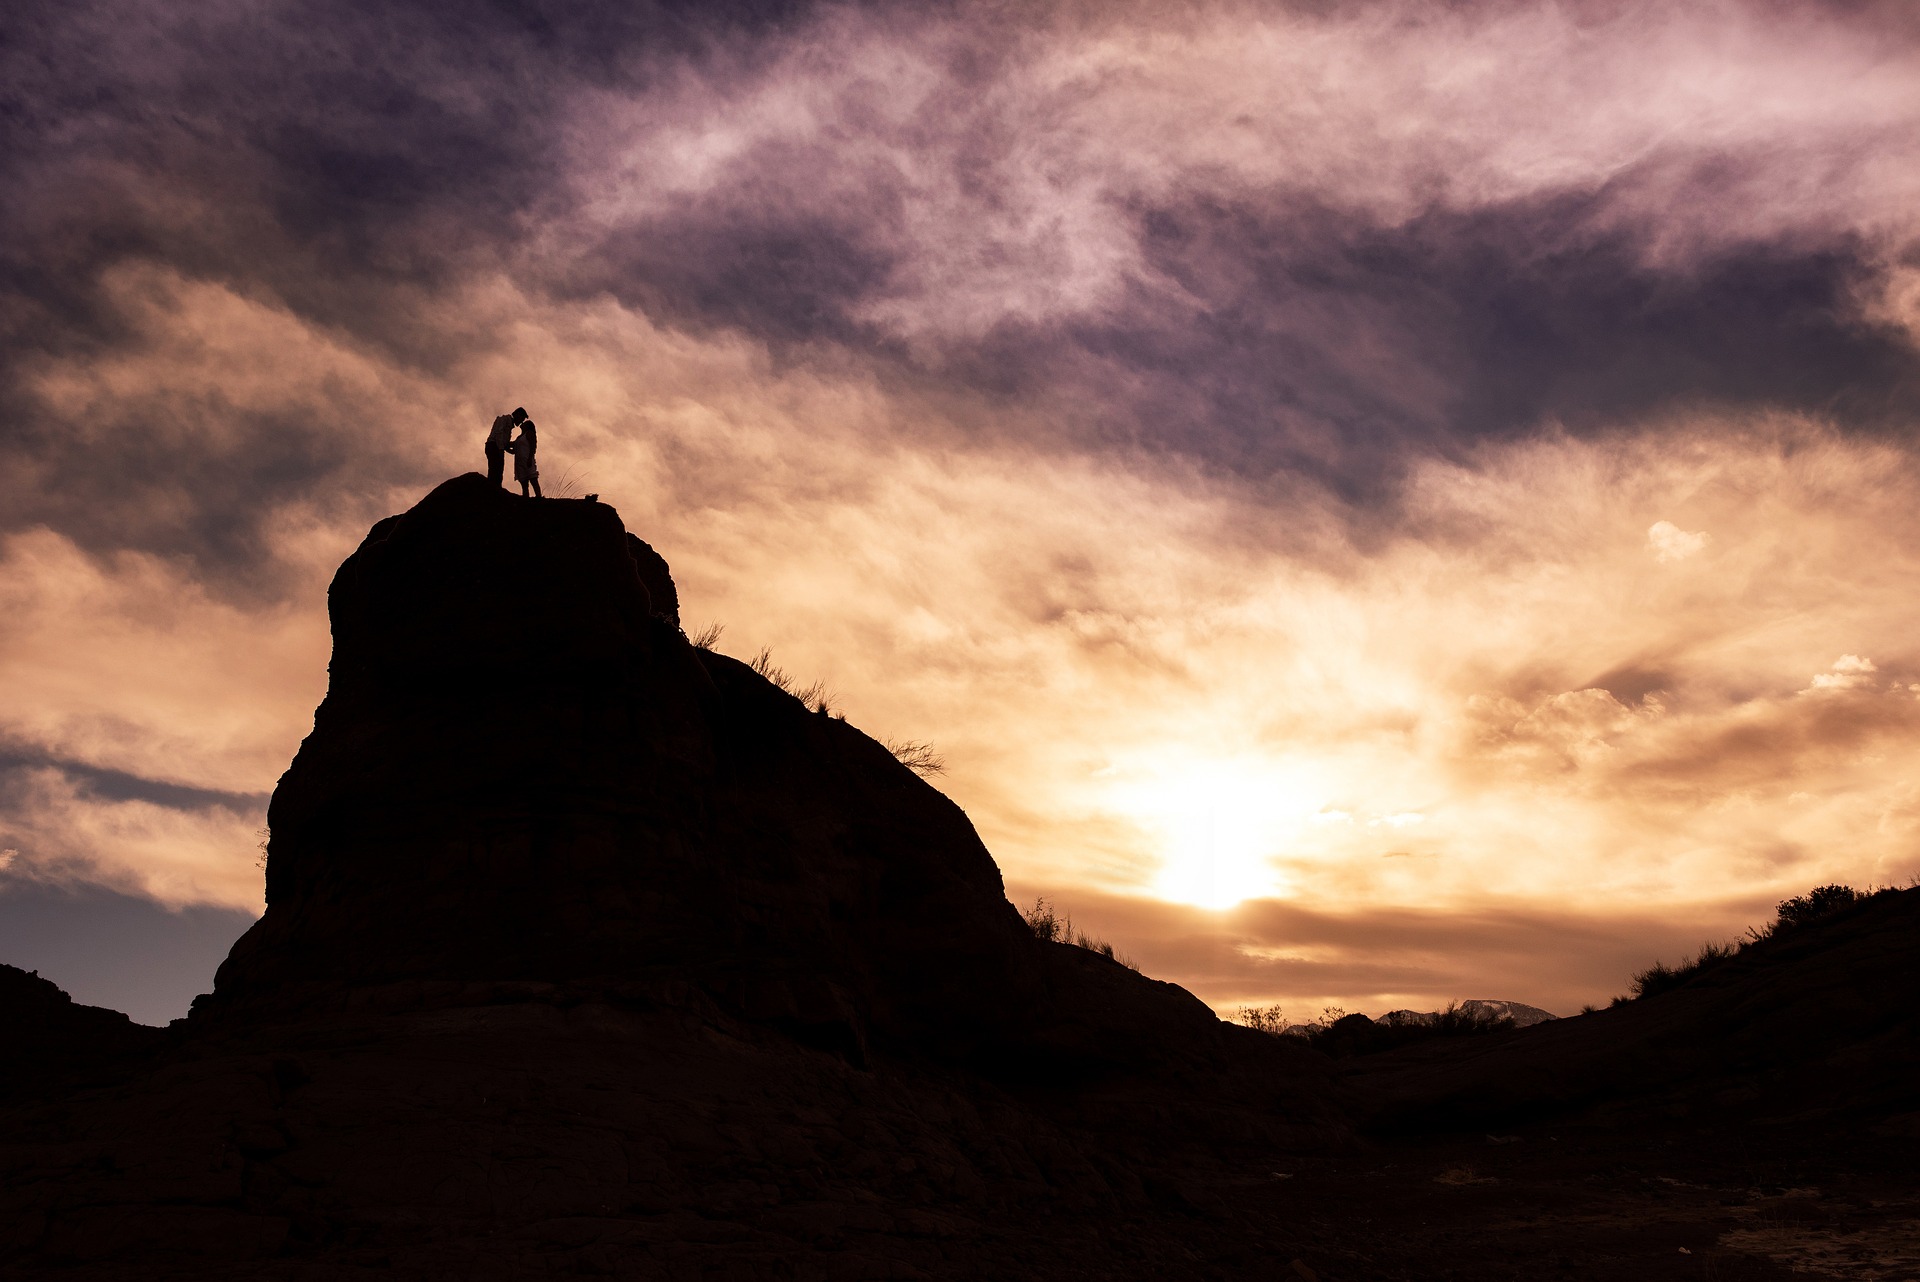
(519, 416)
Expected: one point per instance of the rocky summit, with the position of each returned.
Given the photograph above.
(524, 772)
(591, 951)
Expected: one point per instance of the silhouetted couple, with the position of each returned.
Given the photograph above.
(525, 470)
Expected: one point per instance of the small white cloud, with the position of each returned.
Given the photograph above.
(1671, 543)
(1849, 672)
(1404, 820)
(7, 857)
(1342, 817)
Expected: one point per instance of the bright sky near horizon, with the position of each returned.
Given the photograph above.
(1376, 504)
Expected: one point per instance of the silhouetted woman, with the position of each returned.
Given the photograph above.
(525, 470)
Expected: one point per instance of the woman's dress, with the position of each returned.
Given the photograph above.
(524, 468)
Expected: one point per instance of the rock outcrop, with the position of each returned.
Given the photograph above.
(523, 771)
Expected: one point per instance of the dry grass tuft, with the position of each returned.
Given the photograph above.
(815, 696)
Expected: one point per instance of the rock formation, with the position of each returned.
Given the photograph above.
(522, 771)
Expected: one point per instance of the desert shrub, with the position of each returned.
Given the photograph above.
(1658, 978)
(1263, 1019)
(1661, 978)
(918, 756)
(1043, 921)
(1790, 914)
(1328, 1017)
(708, 637)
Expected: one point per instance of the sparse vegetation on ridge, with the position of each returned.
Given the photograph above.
(1789, 915)
(815, 696)
(1048, 923)
(571, 485)
(1263, 1019)
(1341, 1034)
(917, 755)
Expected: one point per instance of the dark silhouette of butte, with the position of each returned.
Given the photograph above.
(651, 972)
(639, 809)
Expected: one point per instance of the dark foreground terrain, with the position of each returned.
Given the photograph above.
(660, 973)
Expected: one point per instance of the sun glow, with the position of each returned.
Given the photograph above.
(1218, 824)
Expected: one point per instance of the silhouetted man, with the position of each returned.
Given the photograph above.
(525, 470)
(497, 445)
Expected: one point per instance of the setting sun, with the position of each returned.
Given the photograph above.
(1217, 825)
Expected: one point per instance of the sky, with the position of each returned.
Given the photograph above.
(1375, 503)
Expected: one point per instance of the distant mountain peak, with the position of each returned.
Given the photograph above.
(1520, 1013)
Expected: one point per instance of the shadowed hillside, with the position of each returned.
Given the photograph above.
(1817, 1022)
